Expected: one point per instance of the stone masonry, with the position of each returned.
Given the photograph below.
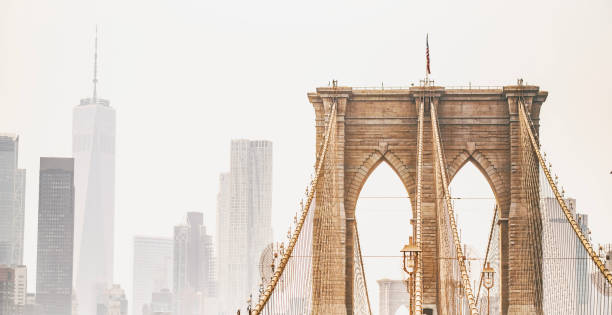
(375, 126)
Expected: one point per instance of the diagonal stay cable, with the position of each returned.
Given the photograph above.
(583, 239)
(331, 127)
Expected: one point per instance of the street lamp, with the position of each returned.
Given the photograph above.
(489, 280)
(410, 261)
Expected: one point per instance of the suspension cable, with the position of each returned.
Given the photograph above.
(451, 215)
(486, 258)
(583, 240)
(362, 267)
(331, 127)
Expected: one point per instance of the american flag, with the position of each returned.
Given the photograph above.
(427, 53)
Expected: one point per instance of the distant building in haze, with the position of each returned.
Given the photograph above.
(21, 287)
(555, 227)
(112, 302)
(161, 303)
(93, 148)
(607, 249)
(12, 201)
(572, 275)
(582, 263)
(153, 269)
(244, 224)
(55, 236)
(194, 280)
(7, 290)
(13, 289)
(30, 306)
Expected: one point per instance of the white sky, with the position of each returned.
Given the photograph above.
(186, 76)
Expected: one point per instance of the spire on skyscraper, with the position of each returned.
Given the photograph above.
(94, 100)
(95, 71)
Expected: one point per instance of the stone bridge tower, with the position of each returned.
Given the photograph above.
(376, 126)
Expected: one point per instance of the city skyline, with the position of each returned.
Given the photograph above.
(176, 118)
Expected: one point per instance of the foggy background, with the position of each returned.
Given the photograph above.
(186, 76)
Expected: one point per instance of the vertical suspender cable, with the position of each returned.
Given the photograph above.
(418, 298)
(467, 286)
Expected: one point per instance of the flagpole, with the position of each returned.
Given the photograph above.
(427, 69)
(427, 61)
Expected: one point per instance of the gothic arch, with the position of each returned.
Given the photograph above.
(486, 168)
(368, 166)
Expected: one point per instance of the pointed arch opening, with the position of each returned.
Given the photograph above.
(475, 201)
(383, 212)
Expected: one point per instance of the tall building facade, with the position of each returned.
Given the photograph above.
(21, 287)
(244, 226)
(12, 201)
(153, 269)
(194, 281)
(55, 236)
(93, 149)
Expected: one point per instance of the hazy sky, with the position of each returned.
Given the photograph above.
(186, 76)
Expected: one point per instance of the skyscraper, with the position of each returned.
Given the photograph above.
(55, 236)
(12, 202)
(152, 269)
(93, 148)
(223, 238)
(194, 279)
(244, 220)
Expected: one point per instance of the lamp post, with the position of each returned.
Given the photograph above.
(489, 280)
(410, 254)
